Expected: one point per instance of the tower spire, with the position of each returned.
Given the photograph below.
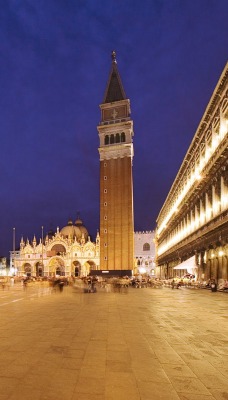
(114, 90)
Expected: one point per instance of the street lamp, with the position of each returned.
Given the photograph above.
(14, 235)
(42, 240)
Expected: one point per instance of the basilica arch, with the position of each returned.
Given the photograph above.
(39, 270)
(27, 268)
(56, 266)
(88, 266)
(76, 268)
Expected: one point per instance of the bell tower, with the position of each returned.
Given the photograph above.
(116, 183)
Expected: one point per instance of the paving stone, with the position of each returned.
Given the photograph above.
(146, 345)
(185, 384)
(190, 396)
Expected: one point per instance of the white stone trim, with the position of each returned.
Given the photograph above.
(126, 150)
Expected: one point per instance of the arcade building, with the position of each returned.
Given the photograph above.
(192, 226)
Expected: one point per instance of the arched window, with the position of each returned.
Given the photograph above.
(216, 125)
(106, 139)
(208, 138)
(225, 108)
(146, 247)
(202, 149)
(58, 249)
(123, 138)
(117, 138)
(112, 139)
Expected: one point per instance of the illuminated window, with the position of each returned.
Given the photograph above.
(225, 108)
(208, 138)
(216, 125)
(202, 149)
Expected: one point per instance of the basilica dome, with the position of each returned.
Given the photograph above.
(74, 231)
(79, 225)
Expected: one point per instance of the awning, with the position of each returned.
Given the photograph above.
(188, 264)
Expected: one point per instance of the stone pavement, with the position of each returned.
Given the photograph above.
(147, 344)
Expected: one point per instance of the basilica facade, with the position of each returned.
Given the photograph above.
(66, 252)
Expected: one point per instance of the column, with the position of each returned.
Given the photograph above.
(224, 191)
(208, 205)
(202, 211)
(215, 197)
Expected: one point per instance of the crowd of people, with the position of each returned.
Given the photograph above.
(211, 284)
(92, 284)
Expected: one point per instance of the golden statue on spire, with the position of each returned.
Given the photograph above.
(114, 57)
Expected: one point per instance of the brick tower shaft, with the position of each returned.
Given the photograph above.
(116, 181)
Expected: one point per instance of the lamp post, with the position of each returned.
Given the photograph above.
(14, 235)
(42, 240)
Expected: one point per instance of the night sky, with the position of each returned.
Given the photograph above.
(55, 60)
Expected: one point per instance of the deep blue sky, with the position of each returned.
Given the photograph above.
(55, 59)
